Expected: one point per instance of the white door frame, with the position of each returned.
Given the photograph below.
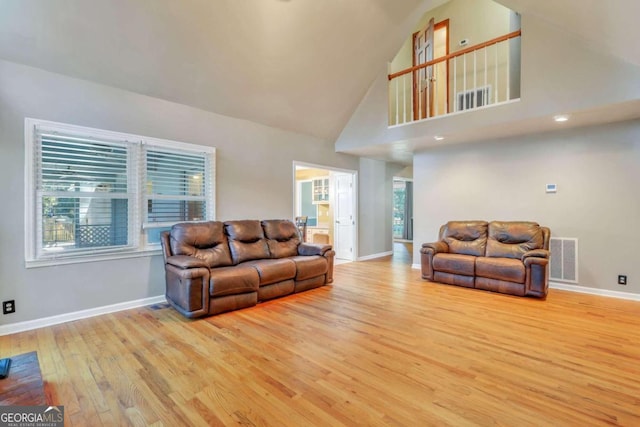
(354, 195)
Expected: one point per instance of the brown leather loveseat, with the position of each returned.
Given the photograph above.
(510, 257)
(213, 267)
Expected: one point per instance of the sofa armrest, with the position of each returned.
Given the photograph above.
(537, 274)
(427, 252)
(536, 253)
(435, 247)
(307, 249)
(188, 289)
(186, 261)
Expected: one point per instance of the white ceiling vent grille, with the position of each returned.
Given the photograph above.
(563, 263)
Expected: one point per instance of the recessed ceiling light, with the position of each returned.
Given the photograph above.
(561, 118)
(438, 138)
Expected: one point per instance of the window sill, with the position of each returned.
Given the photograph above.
(50, 262)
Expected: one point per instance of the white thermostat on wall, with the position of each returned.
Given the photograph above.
(552, 188)
(464, 42)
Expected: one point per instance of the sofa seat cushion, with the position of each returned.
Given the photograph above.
(233, 280)
(310, 266)
(507, 269)
(273, 270)
(455, 263)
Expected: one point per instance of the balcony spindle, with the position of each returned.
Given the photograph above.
(475, 79)
(486, 101)
(455, 83)
(397, 112)
(508, 72)
(435, 89)
(496, 73)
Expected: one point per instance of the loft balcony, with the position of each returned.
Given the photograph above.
(440, 72)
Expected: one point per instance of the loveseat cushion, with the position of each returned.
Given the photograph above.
(465, 237)
(507, 269)
(234, 280)
(273, 270)
(203, 240)
(282, 236)
(454, 263)
(246, 240)
(310, 266)
(511, 239)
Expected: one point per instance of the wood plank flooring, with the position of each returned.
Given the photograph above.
(378, 347)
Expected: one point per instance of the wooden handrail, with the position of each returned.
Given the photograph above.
(456, 54)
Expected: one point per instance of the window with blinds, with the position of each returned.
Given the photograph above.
(176, 190)
(92, 193)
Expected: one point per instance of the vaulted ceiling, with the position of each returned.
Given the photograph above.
(300, 65)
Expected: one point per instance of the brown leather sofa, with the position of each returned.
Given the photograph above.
(500, 256)
(213, 267)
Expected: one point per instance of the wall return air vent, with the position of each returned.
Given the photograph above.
(563, 264)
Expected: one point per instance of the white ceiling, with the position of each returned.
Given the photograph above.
(300, 65)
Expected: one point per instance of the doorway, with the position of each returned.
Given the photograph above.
(327, 197)
(430, 84)
(402, 209)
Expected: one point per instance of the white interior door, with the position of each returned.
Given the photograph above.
(344, 227)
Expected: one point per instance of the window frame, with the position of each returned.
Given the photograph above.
(136, 173)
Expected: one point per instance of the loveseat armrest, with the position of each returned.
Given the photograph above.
(308, 249)
(186, 261)
(536, 274)
(535, 253)
(427, 252)
(435, 247)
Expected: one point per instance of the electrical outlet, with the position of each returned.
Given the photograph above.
(9, 306)
(622, 280)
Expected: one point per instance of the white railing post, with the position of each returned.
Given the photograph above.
(496, 73)
(486, 101)
(455, 84)
(506, 43)
(404, 98)
(464, 82)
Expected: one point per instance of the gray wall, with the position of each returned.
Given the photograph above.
(375, 206)
(254, 180)
(597, 173)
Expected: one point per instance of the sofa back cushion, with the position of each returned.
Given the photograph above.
(246, 240)
(203, 240)
(282, 236)
(465, 237)
(511, 239)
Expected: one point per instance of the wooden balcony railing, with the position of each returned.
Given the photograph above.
(473, 77)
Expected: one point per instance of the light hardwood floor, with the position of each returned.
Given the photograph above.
(378, 347)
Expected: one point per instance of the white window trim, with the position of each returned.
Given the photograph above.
(140, 247)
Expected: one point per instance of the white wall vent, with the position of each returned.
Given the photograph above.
(563, 265)
(474, 98)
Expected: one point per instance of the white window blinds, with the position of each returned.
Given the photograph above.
(92, 193)
(82, 193)
(176, 186)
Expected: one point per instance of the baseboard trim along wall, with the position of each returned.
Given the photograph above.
(374, 256)
(595, 291)
(77, 315)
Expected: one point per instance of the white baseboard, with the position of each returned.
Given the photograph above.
(374, 256)
(416, 266)
(594, 291)
(77, 315)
